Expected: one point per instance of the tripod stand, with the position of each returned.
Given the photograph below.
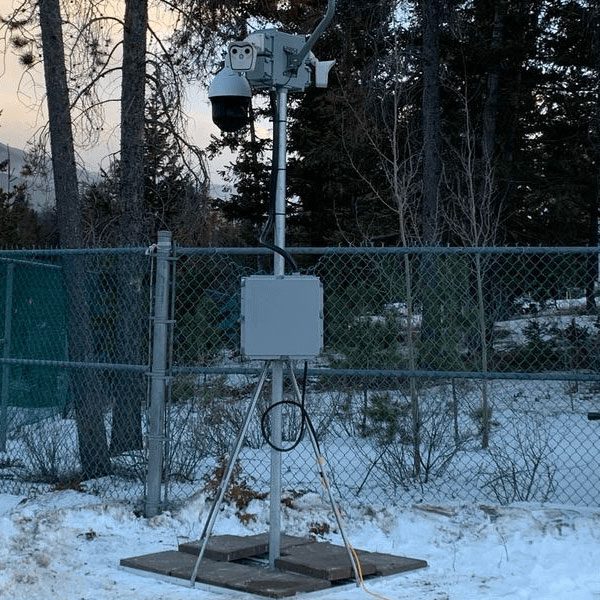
(237, 446)
(212, 515)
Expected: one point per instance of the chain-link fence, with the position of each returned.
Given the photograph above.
(447, 374)
(74, 340)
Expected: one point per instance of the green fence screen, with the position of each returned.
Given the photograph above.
(32, 326)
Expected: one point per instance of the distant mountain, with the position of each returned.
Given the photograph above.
(41, 191)
(40, 188)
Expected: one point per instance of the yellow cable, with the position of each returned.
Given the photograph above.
(359, 574)
(321, 462)
(362, 581)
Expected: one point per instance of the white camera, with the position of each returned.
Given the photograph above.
(230, 95)
(266, 59)
(242, 56)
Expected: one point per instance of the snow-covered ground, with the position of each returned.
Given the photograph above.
(514, 330)
(67, 545)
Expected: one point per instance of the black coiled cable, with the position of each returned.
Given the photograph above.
(305, 423)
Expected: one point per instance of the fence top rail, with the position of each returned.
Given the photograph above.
(358, 250)
(471, 250)
(11, 254)
(28, 263)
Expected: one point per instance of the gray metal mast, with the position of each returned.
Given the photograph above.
(271, 60)
(158, 374)
(277, 367)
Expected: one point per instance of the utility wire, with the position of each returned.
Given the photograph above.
(304, 423)
(307, 425)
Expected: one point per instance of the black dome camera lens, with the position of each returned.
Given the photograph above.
(230, 113)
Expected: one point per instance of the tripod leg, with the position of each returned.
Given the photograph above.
(325, 482)
(212, 515)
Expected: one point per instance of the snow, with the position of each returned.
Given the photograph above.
(514, 329)
(68, 545)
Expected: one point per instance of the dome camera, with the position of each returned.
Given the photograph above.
(230, 94)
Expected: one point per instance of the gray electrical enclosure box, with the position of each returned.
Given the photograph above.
(271, 66)
(281, 317)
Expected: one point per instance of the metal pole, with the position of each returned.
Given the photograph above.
(280, 204)
(296, 60)
(277, 368)
(8, 301)
(158, 375)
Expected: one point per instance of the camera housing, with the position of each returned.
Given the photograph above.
(242, 55)
(230, 96)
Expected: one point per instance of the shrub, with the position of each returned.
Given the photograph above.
(522, 470)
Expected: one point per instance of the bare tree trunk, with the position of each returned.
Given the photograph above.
(93, 448)
(432, 164)
(485, 402)
(412, 365)
(488, 140)
(594, 204)
(490, 107)
(432, 167)
(524, 18)
(130, 390)
(133, 86)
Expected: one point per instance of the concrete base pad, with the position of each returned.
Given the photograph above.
(304, 566)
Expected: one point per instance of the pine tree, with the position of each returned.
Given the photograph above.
(332, 199)
(19, 227)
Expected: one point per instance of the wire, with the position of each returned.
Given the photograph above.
(354, 560)
(304, 423)
(307, 425)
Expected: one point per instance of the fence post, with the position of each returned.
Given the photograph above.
(158, 375)
(8, 301)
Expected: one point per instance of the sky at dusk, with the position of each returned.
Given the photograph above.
(23, 111)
